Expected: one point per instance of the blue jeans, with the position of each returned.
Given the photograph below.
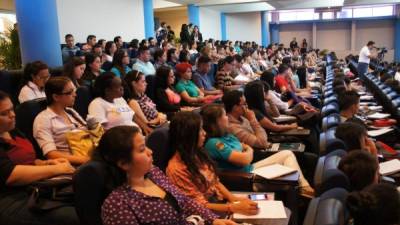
(362, 68)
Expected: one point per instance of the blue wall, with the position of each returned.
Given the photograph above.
(194, 14)
(148, 12)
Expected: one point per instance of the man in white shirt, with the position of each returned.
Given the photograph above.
(364, 58)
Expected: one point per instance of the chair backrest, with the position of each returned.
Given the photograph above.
(327, 176)
(10, 82)
(330, 121)
(330, 108)
(92, 183)
(158, 142)
(83, 98)
(25, 115)
(150, 90)
(328, 142)
(329, 209)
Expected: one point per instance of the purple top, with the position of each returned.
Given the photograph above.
(125, 206)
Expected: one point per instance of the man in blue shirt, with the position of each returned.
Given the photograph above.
(143, 63)
(201, 79)
(70, 49)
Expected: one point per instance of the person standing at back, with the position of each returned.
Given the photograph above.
(365, 57)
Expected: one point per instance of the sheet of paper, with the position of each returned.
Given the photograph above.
(366, 97)
(268, 210)
(273, 171)
(378, 116)
(389, 167)
(375, 133)
(283, 118)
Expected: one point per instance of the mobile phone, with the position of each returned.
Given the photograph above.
(255, 197)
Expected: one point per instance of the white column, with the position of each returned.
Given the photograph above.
(353, 36)
(314, 35)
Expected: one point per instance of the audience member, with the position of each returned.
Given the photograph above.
(230, 154)
(70, 49)
(20, 168)
(120, 64)
(143, 63)
(147, 195)
(36, 75)
(193, 171)
(74, 70)
(361, 168)
(110, 108)
(51, 125)
(378, 204)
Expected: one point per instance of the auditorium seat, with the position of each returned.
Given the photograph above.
(25, 115)
(328, 209)
(82, 100)
(327, 175)
(92, 183)
(330, 121)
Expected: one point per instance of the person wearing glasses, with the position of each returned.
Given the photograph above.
(36, 75)
(51, 124)
(19, 167)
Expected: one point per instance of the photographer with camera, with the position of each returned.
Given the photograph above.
(364, 58)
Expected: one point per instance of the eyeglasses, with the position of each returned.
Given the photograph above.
(68, 92)
(45, 77)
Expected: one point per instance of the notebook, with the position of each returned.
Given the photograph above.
(267, 210)
(294, 132)
(295, 147)
(375, 133)
(284, 118)
(378, 115)
(273, 171)
(389, 167)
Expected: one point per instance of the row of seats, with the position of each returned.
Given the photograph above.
(330, 184)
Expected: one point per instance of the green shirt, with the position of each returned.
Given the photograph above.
(221, 148)
(187, 86)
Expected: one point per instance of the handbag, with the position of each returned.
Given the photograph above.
(49, 194)
(83, 142)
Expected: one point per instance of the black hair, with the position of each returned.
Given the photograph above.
(210, 114)
(3, 95)
(378, 204)
(203, 60)
(162, 74)
(69, 68)
(32, 69)
(184, 137)
(68, 36)
(351, 133)
(254, 93)
(370, 43)
(90, 37)
(116, 39)
(55, 85)
(117, 61)
(103, 83)
(238, 58)
(170, 52)
(158, 54)
(360, 167)
(348, 99)
(108, 47)
(89, 59)
(282, 68)
(134, 43)
(268, 77)
(230, 99)
(339, 89)
(184, 56)
(130, 92)
(142, 49)
(116, 146)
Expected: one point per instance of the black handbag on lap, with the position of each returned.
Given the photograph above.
(49, 194)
